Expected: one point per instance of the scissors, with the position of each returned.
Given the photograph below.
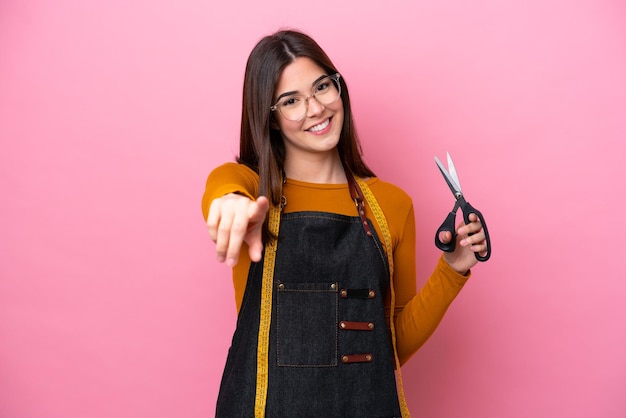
(450, 223)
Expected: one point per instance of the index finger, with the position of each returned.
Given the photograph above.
(238, 230)
(213, 219)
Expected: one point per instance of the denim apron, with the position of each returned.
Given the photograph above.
(330, 354)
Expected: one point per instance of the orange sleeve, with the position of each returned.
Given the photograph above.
(422, 314)
(229, 178)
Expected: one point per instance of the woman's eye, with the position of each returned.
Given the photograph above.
(322, 86)
(291, 101)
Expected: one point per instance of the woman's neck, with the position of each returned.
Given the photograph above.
(316, 169)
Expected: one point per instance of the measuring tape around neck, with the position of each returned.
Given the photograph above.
(263, 343)
(382, 223)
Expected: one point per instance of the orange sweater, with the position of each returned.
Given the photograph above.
(417, 314)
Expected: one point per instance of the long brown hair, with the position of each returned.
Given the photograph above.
(261, 147)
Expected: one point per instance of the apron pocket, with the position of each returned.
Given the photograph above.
(306, 324)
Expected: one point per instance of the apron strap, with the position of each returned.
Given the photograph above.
(359, 201)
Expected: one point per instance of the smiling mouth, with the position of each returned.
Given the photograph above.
(320, 126)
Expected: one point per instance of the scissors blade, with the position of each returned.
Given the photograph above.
(452, 171)
(451, 182)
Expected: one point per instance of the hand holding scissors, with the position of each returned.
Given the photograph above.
(450, 223)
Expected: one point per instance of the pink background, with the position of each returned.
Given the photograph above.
(113, 113)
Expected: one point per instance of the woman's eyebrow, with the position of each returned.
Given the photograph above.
(291, 93)
(318, 79)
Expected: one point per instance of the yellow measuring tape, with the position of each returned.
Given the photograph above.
(267, 286)
(382, 223)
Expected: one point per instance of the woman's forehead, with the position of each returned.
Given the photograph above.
(299, 76)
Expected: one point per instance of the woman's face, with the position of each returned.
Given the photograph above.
(318, 132)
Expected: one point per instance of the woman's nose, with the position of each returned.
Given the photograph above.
(314, 107)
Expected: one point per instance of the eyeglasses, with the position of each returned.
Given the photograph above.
(295, 106)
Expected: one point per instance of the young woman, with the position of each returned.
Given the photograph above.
(323, 251)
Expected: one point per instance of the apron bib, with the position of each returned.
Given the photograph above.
(330, 354)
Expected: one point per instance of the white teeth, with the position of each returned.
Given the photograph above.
(319, 127)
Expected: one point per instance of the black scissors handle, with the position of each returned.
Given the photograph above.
(467, 210)
(449, 225)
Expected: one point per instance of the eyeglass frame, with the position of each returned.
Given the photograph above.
(335, 77)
